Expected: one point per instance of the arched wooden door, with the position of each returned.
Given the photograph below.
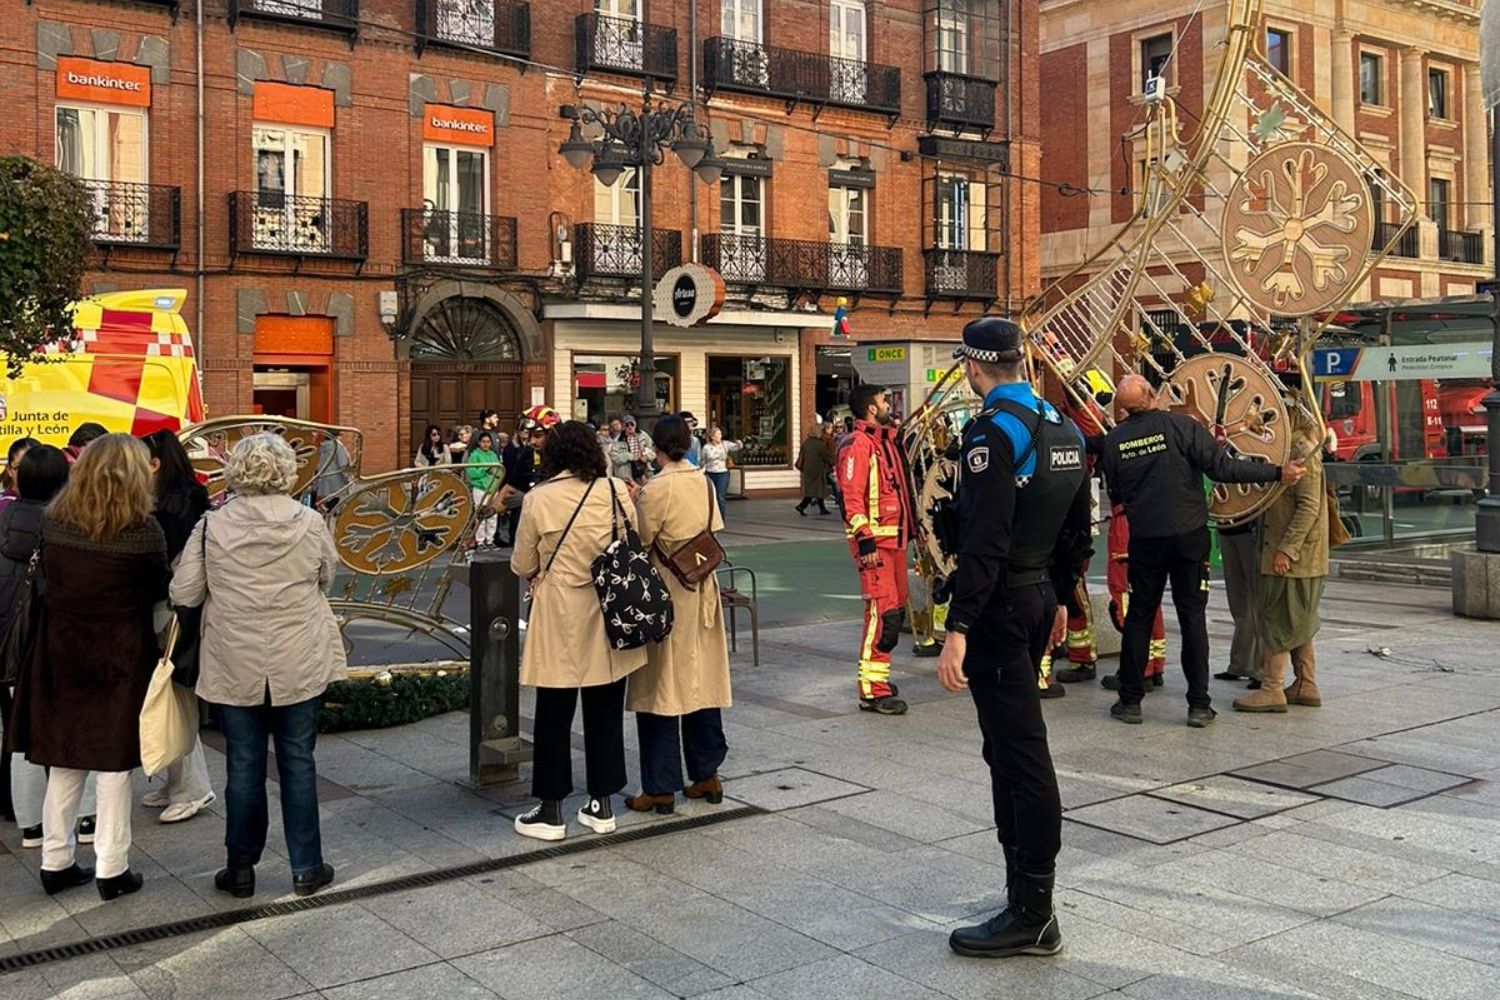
(466, 356)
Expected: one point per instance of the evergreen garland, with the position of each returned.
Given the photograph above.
(391, 699)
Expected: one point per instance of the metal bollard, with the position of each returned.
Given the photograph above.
(495, 745)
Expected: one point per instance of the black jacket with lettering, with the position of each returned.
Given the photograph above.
(1154, 463)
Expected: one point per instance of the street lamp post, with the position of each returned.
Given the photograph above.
(1487, 518)
(640, 139)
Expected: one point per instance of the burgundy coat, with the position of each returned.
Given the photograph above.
(82, 692)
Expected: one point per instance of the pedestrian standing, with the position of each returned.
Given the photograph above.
(715, 457)
(679, 696)
(333, 471)
(1239, 549)
(259, 566)
(458, 444)
(877, 499)
(523, 469)
(1154, 462)
(566, 523)
(13, 456)
(104, 560)
(484, 475)
(1023, 533)
(1293, 567)
(815, 462)
(432, 451)
(81, 438)
(632, 454)
(694, 455)
(181, 501)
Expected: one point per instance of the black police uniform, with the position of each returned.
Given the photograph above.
(523, 472)
(1023, 509)
(1154, 463)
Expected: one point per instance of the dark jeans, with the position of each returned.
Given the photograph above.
(662, 750)
(1002, 663)
(1182, 559)
(721, 487)
(294, 729)
(603, 740)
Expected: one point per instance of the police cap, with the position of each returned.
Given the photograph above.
(991, 340)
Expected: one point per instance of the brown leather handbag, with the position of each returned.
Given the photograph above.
(696, 559)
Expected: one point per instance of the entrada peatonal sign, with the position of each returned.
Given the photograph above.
(689, 294)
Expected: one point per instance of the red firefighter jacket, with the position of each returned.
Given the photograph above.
(872, 479)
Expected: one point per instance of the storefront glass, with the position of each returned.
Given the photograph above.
(750, 398)
(605, 385)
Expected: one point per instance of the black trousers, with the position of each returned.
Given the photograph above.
(701, 740)
(1183, 560)
(1002, 663)
(603, 740)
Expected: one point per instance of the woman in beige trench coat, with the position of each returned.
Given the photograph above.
(677, 697)
(566, 654)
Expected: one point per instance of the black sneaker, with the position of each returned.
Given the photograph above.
(1128, 714)
(1253, 686)
(598, 816)
(927, 650)
(1157, 680)
(1111, 682)
(544, 822)
(1052, 691)
(310, 882)
(1027, 925)
(1080, 672)
(32, 836)
(86, 827)
(888, 705)
(236, 880)
(1201, 718)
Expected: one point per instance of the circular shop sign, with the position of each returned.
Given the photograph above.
(1297, 228)
(689, 294)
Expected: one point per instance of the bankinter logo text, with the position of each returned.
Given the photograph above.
(106, 82)
(455, 125)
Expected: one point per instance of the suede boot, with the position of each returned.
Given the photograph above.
(1304, 690)
(1027, 926)
(1269, 697)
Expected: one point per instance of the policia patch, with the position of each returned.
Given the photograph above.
(1065, 458)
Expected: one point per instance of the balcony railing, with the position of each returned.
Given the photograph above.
(466, 239)
(960, 102)
(1460, 247)
(338, 15)
(1384, 232)
(272, 223)
(730, 64)
(961, 274)
(138, 215)
(502, 26)
(804, 264)
(626, 45)
(615, 251)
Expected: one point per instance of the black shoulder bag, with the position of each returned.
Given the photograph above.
(27, 618)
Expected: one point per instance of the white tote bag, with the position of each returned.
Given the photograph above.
(169, 716)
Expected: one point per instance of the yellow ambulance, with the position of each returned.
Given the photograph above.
(128, 365)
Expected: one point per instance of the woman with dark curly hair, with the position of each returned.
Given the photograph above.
(566, 522)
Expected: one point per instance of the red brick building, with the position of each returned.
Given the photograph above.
(1402, 76)
(365, 200)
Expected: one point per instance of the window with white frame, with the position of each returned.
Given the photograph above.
(292, 179)
(455, 201)
(1371, 79)
(1437, 94)
(470, 22)
(106, 147)
(848, 236)
(742, 227)
(617, 222)
(618, 35)
(847, 46)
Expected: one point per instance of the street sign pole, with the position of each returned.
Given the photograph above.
(1487, 518)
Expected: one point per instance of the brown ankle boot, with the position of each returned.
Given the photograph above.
(1270, 697)
(663, 804)
(709, 788)
(1304, 690)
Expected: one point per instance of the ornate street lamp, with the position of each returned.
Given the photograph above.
(640, 139)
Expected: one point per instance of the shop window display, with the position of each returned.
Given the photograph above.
(750, 398)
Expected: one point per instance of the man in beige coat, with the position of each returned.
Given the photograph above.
(678, 695)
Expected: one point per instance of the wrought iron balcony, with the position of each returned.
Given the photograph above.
(502, 26)
(1460, 247)
(730, 64)
(960, 102)
(337, 15)
(270, 222)
(626, 45)
(806, 265)
(615, 251)
(961, 274)
(137, 215)
(1384, 232)
(465, 239)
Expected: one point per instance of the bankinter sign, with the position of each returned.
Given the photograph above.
(466, 126)
(103, 82)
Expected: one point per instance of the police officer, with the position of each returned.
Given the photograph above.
(1154, 462)
(1023, 533)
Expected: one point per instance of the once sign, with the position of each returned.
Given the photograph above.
(689, 294)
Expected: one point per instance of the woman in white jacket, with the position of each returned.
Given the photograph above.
(270, 646)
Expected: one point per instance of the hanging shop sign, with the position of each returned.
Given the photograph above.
(748, 166)
(103, 82)
(461, 126)
(288, 104)
(689, 294)
(851, 178)
(964, 149)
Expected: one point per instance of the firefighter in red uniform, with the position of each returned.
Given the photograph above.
(878, 511)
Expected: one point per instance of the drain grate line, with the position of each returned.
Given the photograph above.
(420, 880)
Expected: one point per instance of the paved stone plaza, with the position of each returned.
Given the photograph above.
(1350, 852)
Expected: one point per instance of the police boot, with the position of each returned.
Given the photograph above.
(1304, 690)
(1269, 697)
(1027, 925)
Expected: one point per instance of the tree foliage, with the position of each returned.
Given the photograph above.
(46, 218)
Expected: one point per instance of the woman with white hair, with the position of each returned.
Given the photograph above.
(259, 565)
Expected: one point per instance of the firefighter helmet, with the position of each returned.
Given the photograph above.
(540, 418)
